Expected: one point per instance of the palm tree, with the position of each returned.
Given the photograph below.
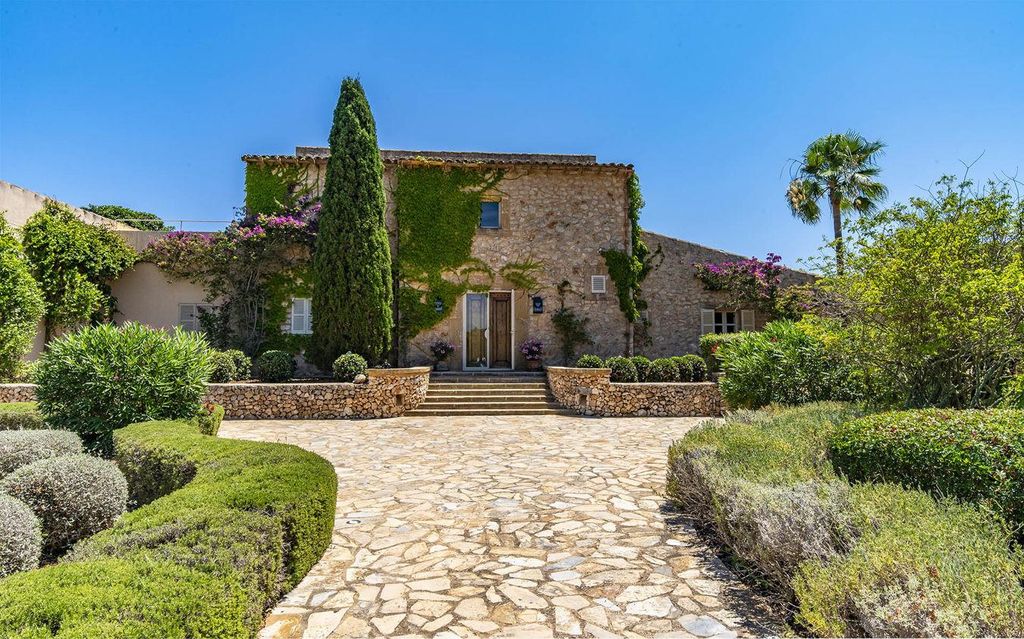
(842, 167)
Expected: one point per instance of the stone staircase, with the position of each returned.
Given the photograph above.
(488, 393)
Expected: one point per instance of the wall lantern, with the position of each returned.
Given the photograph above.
(438, 306)
(538, 304)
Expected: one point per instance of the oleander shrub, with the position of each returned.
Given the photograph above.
(20, 416)
(22, 447)
(1013, 392)
(21, 538)
(226, 528)
(710, 348)
(974, 455)
(623, 369)
(663, 369)
(223, 368)
(74, 496)
(762, 484)
(782, 364)
(275, 366)
(919, 568)
(642, 365)
(243, 364)
(105, 377)
(589, 361)
(348, 366)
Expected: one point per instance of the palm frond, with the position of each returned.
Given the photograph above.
(802, 197)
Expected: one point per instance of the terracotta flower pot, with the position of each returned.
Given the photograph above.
(533, 364)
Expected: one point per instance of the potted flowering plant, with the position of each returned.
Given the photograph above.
(533, 350)
(442, 349)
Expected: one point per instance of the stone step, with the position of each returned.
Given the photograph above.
(487, 404)
(484, 385)
(490, 392)
(456, 412)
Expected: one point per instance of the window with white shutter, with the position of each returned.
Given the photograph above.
(746, 320)
(188, 316)
(300, 317)
(707, 321)
(598, 284)
(713, 320)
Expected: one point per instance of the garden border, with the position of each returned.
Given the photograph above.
(590, 391)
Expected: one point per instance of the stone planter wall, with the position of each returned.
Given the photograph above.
(590, 391)
(17, 393)
(389, 392)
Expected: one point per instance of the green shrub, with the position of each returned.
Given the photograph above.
(20, 416)
(781, 364)
(348, 366)
(224, 369)
(275, 366)
(21, 539)
(74, 496)
(973, 455)
(21, 303)
(1013, 392)
(104, 377)
(209, 418)
(22, 447)
(698, 369)
(663, 370)
(589, 361)
(920, 568)
(710, 348)
(243, 364)
(228, 526)
(642, 365)
(623, 369)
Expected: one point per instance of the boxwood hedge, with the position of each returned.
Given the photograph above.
(973, 455)
(226, 527)
(20, 416)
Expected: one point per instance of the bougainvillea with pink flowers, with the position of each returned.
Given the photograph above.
(749, 282)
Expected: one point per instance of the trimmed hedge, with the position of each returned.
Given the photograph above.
(224, 368)
(22, 447)
(228, 526)
(642, 365)
(974, 455)
(21, 537)
(20, 416)
(623, 369)
(275, 366)
(663, 370)
(589, 361)
(348, 366)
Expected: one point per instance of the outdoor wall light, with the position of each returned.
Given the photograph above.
(538, 304)
(438, 306)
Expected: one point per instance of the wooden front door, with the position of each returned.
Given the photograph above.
(501, 330)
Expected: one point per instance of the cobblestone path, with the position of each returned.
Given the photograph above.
(533, 526)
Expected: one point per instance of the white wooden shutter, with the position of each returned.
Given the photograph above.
(746, 320)
(707, 320)
(187, 316)
(300, 317)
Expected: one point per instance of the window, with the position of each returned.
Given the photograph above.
(726, 321)
(300, 317)
(490, 215)
(598, 284)
(188, 315)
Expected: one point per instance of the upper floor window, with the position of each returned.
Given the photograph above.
(300, 317)
(713, 320)
(490, 215)
(189, 314)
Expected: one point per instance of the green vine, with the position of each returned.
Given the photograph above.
(272, 188)
(437, 210)
(629, 270)
(570, 327)
(280, 291)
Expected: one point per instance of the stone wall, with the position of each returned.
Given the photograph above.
(387, 393)
(675, 296)
(591, 392)
(17, 393)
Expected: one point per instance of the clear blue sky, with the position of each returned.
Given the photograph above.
(150, 105)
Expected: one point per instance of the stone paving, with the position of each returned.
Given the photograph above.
(531, 526)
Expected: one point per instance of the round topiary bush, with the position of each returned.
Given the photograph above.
(684, 368)
(224, 369)
(22, 447)
(696, 367)
(275, 366)
(21, 537)
(74, 496)
(348, 366)
(243, 364)
(642, 365)
(105, 377)
(589, 361)
(623, 369)
(663, 369)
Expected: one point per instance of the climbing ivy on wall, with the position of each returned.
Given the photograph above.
(270, 188)
(437, 210)
(628, 270)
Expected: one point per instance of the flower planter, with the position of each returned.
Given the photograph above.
(534, 364)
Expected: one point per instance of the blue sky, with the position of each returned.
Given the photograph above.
(150, 105)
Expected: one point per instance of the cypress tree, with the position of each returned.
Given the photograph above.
(352, 292)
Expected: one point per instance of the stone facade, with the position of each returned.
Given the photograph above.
(676, 297)
(387, 393)
(17, 393)
(590, 391)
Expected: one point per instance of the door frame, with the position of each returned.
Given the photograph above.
(487, 336)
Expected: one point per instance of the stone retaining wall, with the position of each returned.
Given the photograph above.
(590, 391)
(387, 393)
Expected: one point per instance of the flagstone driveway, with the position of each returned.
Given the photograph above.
(531, 526)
